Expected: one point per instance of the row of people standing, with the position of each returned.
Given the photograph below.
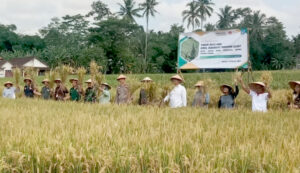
(259, 93)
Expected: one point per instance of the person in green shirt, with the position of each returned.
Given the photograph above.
(105, 94)
(46, 90)
(90, 92)
(75, 91)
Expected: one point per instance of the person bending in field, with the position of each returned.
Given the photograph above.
(259, 93)
(123, 91)
(105, 94)
(143, 99)
(75, 91)
(61, 91)
(90, 93)
(9, 90)
(295, 104)
(177, 97)
(227, 100)
(46, 90)
(29, 89)
(201, 99)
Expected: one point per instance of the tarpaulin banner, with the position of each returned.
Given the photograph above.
(226, 49)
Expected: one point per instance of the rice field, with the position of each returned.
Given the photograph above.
(48, 136)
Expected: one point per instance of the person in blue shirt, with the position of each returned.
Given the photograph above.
(9, 90)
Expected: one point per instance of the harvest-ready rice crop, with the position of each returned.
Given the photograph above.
(49, 136)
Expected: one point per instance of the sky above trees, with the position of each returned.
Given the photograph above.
(31, 15)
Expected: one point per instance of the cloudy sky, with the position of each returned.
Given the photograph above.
(31, 15)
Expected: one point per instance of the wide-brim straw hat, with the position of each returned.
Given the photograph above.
(177, 77)
(147, 79)
(227, 86)
(8, 82)
(57, 80)
(106, 84)
(199, 84)
(253, 85)
(293, 84)
(74, 79)
(121, 77)
(27, 79)
(89, 81)
(45, 80)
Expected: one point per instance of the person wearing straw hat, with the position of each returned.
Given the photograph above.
(46, 90)
(123, 91)
(295, 86)
(143, 99)
(227, 100)
(75, 91)
(29, 89)
(177, 97)
(61, 91)
(201, 99)
(105, 94)
(9, 90)
(259, 93)
(90, 93)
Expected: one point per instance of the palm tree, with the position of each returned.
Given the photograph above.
(227, 17)
(148, 8)
(128, 10)
(205, 9)
(192, 15)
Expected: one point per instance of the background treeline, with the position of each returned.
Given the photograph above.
(121, 45)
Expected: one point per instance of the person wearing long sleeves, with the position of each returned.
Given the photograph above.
(123, 91)
(201, 99)
(105, 94)
(295, 102)
(9, 90)
(227, 100)
(177, 97)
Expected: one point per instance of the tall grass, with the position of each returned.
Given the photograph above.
(39, 136)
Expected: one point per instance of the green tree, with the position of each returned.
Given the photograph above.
(205, 9)
(227, 18)
(192, 15)
(128, 10)
(99, 11)
(210, 27)
(148, 8)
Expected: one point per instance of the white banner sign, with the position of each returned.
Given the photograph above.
(213, 50)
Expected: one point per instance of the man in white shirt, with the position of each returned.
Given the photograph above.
(9, 91)
(260, 95)
(177, 96)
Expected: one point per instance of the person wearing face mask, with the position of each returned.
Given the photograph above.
(227, 100)
(295, 86)
(259, 93)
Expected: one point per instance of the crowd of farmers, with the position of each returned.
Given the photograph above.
(176, 98)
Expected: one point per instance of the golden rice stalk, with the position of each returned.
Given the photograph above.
(267, 78)
(31, 73)
(208, 84)
(166, 89)
(17, 75)
(64, 72)
(236, 76)
(51, 75)
(151, 89)
(99, 77)
(81, 71)
(134, 85)
(94, 69)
